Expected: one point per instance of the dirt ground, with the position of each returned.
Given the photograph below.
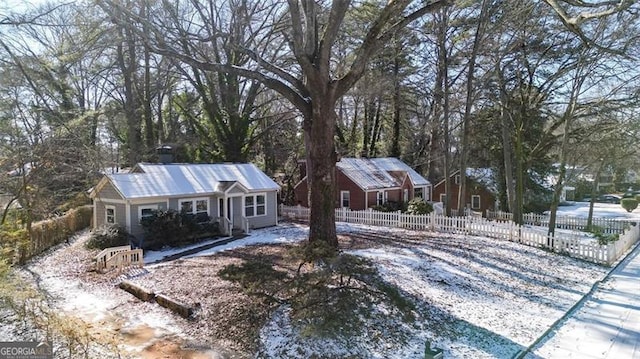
(226, 323)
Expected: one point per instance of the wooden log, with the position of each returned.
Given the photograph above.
(181, 309)
(138, 291)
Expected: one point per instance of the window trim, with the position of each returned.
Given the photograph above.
(342, 199)
(106, 214)
(141, 208)
(255, 205)
(457, 179)
(380, 197)
(474, 196)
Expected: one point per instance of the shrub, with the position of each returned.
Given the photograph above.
(629, 204)
(108, 236)
(419, 206)
(603, 238)
(79, 200)
(390, 206)
(162, 228)
(173, 228)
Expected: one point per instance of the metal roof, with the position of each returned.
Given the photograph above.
(394, 164)
(162, 180)
(373, 173)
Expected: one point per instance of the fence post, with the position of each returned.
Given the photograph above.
(433, 221)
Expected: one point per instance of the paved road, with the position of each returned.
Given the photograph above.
(607, 325)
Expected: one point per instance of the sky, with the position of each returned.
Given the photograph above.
(20, 6)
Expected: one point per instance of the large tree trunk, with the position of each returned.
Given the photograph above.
(126, 53)
(321, 163)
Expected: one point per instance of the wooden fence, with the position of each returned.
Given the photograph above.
(22, 244)
(118, 258)
(572, 244)
(608, 225)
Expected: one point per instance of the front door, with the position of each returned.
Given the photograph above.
(234, 211)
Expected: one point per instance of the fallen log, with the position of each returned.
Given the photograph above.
(138, 291)
(182, 309)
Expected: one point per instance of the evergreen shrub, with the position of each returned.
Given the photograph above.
(629, 204)
(419, 206)
(172, 228)
(107, 236)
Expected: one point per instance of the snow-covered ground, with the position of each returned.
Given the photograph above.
(603, 210)
(606, 325)
(476, 297)
(273, 235)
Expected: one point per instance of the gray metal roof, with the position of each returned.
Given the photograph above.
(394, 164)
(373, 173)
(163, 180)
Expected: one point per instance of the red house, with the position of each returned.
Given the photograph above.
(481, 190)
(366, 182)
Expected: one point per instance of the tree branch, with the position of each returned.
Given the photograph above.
(377, 35)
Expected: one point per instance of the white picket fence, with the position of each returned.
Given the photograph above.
(572, 244)
(608, 225)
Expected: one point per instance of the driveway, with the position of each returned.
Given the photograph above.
(606, 324)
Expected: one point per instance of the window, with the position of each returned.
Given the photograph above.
(146, 212)
(475, 201)
(443, 198)
(418, 193)
(380, 198)
(457, 179)
(255, 205)
(186, 207)
(405, 195)
(345, 199)
(110, 214)
(202, 210)
(249, 206)
(197, 207)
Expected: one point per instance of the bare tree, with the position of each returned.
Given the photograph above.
(311, 85)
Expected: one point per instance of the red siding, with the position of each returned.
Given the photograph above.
(487, 199)
(359, 199)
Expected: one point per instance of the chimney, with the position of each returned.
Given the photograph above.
(165, 154)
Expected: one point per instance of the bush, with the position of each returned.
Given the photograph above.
(629, 204)
(108, 236)
(172, 228)
(79, 200)
(419, 206)
(162, 228)
(603, 238)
